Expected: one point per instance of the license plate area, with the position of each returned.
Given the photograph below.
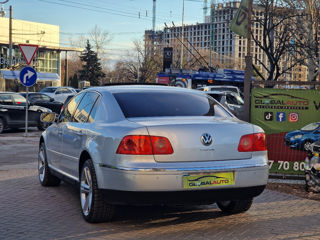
(204, 180)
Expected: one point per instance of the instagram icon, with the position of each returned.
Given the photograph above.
(293, 117)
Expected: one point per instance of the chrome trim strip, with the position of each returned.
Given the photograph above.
(61, 154)
(63, 173)
(218, 168)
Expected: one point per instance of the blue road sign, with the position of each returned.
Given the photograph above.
(28, 76)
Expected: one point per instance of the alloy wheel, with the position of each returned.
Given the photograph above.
(86, 190)
(41, 164)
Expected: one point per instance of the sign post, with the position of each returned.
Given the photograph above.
(28, 76)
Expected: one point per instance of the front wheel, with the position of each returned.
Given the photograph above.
(93, 207)
(45, 176)
(235, 206)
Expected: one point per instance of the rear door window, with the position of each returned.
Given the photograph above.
(70, 108)
(160, 103)
(84, 108)
(19, 100)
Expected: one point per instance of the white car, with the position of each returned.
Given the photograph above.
(152, 145)
(230, 100)
(223, 88)
(59, 94)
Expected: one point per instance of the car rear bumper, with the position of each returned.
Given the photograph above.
(165, 180)
(180, 197)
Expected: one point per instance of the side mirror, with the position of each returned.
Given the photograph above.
(48, 117)
(51, 99)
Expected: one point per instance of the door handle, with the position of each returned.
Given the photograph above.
(60, 132)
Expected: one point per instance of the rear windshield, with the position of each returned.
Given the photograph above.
(158, 104)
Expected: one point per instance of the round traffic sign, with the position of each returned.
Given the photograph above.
(28, 76)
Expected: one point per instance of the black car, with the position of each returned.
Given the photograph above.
(13, 110)
(43, 100)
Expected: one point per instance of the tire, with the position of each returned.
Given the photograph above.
(235, 206)
(45, 177)
(93, 207)
(2, 125)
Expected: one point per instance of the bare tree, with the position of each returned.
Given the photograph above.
(100, 39)
(306, 34)
(277, 34)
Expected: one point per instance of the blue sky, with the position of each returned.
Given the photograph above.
(120, 18)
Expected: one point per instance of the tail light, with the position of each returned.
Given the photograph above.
(144, 145)
(252, 143)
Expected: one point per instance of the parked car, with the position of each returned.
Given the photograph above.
(302, 138)
(230, 100)
(152, 145)
(13, 110)
(58, 93)
(43, 100)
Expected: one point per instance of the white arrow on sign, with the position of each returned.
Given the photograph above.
(28, 51)
(29, 74)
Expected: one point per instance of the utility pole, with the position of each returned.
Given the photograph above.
(248, 69)
(66, 69)
(10, 37)
(211, 33)
(182, 37)
(153, 26)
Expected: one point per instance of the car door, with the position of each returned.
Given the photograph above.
(17, 110)
(33, 115)
(55, 134)
(7, 110)
(74, 133)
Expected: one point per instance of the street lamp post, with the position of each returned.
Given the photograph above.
(182, 37)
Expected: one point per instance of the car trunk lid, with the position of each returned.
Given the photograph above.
(185, 133)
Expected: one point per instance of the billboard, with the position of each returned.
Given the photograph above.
(291, 120)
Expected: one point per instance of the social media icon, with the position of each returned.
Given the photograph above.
(281, 116)
(293, 117)
(268, 116)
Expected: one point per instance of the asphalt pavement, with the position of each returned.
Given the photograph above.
(30, 211)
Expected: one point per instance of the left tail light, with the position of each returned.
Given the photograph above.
(144, 145)
(252, 143)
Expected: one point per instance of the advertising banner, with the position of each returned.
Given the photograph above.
(291, 120)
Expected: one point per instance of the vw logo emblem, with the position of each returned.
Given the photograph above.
(206, 139)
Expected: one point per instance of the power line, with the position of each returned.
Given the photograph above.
(99, 9)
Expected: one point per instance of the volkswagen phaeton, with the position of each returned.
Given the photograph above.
(143, 145)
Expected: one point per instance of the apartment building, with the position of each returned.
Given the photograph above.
(228, 48)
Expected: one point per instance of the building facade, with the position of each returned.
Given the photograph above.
(47, 60)
(228, 49)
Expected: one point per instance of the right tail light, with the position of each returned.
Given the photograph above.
(253, 143)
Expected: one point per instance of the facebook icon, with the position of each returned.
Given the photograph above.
(281, 116)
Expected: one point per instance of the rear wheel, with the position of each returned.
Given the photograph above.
(93, 207)
(1, 125)
(235, 206)
(45, 176)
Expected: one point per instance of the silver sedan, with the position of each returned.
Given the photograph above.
(152, 145)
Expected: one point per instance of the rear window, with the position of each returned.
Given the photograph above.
(158, 104)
